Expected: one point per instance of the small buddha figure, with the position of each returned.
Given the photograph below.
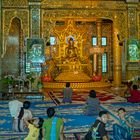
(71, 51)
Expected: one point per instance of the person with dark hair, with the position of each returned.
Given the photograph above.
(53, 126)
(92, 104)
(24, 114)
(123, 129)
(99, 125)
(35, 129)
(19, 111)
(135, 95)
(102, 119)
(67, 93)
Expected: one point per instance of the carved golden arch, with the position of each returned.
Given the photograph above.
(8, 16)
(118, 18)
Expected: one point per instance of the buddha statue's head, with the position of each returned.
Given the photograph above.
(71, 41)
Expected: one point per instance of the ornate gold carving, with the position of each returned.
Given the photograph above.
(83, 4)
(70, 30)
(138, 23)
(132, 22)
(88, 15)
(18, 3)
(84, 85)
(121, 22)
(8, 15)
(35, 18)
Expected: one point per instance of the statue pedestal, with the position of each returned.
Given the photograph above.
(72, 67)
(75, 76)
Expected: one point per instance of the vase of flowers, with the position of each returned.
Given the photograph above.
(30, 79)
(9, 81)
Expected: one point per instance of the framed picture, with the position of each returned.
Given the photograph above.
(133, 50)
(35, 50)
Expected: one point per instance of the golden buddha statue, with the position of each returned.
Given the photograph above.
(71, 52)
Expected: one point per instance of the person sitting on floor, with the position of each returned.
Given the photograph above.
(35, 129)
(67, 93)
(123, 129)
(135, 95)
(100, 126)
(19, 111)
(24, 114)
(53, 126)
(92, 104)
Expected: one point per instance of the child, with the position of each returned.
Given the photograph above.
(123, 129)
(35, 129)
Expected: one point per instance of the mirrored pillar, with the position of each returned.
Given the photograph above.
(99, 37)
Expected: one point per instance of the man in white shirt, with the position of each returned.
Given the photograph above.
(19, 112)
(15, 107)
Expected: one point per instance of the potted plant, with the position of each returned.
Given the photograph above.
(9, 81)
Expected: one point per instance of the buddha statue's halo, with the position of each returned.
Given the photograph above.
(68, 38)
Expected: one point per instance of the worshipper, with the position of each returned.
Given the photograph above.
(123, 129)
(14, 107)
(52, 126)
(128, 89)
(24, 114)
(135, 95)
(19, 111)
(98, 128)
(67, 93)
(92, 104)
(35, 129)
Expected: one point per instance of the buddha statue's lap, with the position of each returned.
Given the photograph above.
(71, 52)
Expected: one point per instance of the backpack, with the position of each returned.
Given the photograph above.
(92, 133)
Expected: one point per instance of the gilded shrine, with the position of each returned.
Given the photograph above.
(83, 42)
(70, 58)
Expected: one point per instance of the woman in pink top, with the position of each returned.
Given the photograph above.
(135, 95)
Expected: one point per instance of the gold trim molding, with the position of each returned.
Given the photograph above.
(50, 16)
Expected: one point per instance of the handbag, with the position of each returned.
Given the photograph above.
(92, 133)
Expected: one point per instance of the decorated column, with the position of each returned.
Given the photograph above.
(99, 37)
(116, 56)
(0, 32)
(95, 63)
(0, 41)
(34, 18)
(37, 43)
(132, 64)
(132, 21)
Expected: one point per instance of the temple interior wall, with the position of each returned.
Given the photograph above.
(126, 15)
